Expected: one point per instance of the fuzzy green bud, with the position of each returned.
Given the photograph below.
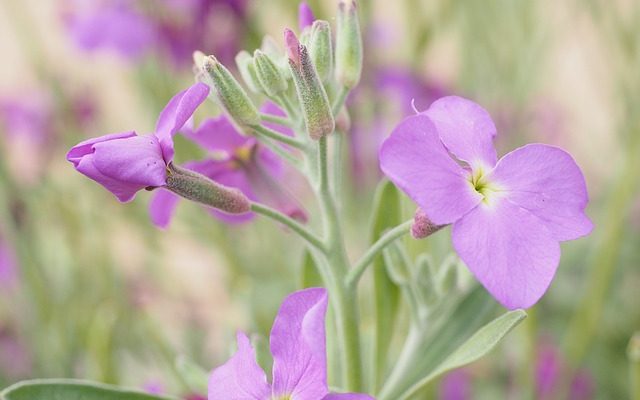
(316, 109)
(321, 50)
(269, 76)
(196, 187)
(244, 61)
(348, 45)
(230, 94)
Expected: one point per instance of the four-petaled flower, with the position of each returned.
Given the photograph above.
(509, 215)
(299, 358)
(124, 162)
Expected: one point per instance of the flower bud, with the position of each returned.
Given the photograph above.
(321, 50)
(244, 61)
(269, 76)
(422, 225)
(348, 45)
(316, 109)
(196, 187)
(305, 15)
(230, 94)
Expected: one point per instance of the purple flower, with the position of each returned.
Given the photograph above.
(298, 347)
(509, 215)
(8, 265)
(305, 15)
(456, 385)
(28, 116)
(235, 160)
(124, 162)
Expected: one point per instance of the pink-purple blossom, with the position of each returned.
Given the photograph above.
(298, 346)
(508, 215)
(125, 163)
(305, 15)
(234, 160)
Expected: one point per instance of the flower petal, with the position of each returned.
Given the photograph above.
(466, 129)
(416, 161)
(122, 190)
(162, 207)
(133, 160)
(298, 346)
(546, 181)
(218, 134)
(240, 378)
(509, 250)
(86, 147)
(176, 113)
(347, 396)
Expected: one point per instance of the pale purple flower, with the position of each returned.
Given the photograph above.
(305, 15)
(550, 366)
(298, 346)
(456, 385)
(235, 160)
(8, 265)
(125, 163)
(172, 29)
(509, 215)
(15, 360)
(27, 116)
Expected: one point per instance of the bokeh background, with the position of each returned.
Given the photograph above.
(89, 288)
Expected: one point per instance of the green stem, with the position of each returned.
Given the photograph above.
(339, 101)
(361, 266)
(294, 225)
(275, 119)
(277, 136)
(281, 152)
(343, 299)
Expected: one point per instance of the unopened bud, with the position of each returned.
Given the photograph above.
(197, 187)
(305, 15)
(348, 45)
(316, 109)
(269, 76)
(230, 94)
(321, 50)
(244, 61)
(422, 225)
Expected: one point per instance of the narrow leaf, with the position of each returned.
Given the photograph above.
(69, 389)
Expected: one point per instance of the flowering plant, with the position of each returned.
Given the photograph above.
(508, 217)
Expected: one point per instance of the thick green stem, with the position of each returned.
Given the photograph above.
(294, 225)
(361, 266)
(344, 300)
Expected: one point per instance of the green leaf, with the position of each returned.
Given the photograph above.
(69, 389)
(387, 213)
(476, 347)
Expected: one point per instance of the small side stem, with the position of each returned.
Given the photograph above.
(361, 266)
(339, 101)
(275, 119)
(277, 136)
(294, 225)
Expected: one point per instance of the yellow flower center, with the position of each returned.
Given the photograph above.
(482, 185)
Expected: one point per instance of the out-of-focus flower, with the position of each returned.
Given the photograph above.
(550, 367)
(8, 265)
(28, 117)
(15, 361)
(305, 15)
(455, 386)
(172, 29)
(124, 162)
(235, 160)
(298, 346)
(509, 215)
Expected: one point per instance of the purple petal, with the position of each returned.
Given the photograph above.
(455, 386)
(218, 134)
(240, 378)
(347, 396)
(509, 250)
(466, 129)
(122, 190)
(86, 147)
(416, 161)
(305, 15)
(134, 160)
(177, 112)
(547, 182)
(162, 207)
(298, 346)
